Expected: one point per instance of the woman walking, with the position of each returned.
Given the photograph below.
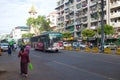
(23, 54)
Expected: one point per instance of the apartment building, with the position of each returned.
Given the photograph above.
(76, 15)
(53, 19)
(115, 15)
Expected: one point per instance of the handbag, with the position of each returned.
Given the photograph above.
(30, 66)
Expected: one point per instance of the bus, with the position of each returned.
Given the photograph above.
(47, 41)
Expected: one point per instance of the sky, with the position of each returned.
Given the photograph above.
(15, 12)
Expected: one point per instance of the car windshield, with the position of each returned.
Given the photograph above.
(5, 44)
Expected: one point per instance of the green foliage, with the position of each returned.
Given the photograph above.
(107, 29)
(40, 24)
(88, 33)
(30, 21)
(66, 35)
(43, 24)
(28, 35)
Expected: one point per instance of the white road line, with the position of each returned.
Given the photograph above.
(35, 55)
(76, 68)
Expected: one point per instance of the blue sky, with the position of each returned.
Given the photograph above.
(15, 12)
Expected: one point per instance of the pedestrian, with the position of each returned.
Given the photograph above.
(24, 62)
(9, 50)
(0, 51)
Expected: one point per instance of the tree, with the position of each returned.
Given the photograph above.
(88, 33)
(27, 35)
(30, 22)
(39, 24)
(43, 24)
(66, 34)
(108, 29)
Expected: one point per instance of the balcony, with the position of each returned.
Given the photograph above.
(93, 2)
(115, 4)
(114, 15)
(115, 24)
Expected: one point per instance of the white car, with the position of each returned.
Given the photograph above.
(4, 46)
(66, 44)
(82, 46)
(110, 45)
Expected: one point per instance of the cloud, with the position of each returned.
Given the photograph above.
(15, 12)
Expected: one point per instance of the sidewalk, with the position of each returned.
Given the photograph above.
(9, 67)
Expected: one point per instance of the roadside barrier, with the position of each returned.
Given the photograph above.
(87, 49)
(95, 50)
(77, 49)
(118, 51)
(70, 48)
(107, 50)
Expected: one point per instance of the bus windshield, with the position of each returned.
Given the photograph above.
(55, 37)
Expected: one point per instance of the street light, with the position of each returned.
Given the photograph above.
(102, 25)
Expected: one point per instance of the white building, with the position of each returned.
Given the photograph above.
(53, 19)
(76, 15)
(17, 32)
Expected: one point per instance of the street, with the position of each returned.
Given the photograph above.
(65, 65)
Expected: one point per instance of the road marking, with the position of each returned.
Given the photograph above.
(103, 60)
(76, 68)
(35, 55)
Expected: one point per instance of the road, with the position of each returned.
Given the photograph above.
(65, 65)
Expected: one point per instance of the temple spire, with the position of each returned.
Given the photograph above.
(32, 11)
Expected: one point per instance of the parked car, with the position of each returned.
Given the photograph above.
(111, 46)
(82, 45)
(66, 44)
(75, 44)
(4, 46)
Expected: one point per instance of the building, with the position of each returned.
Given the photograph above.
(53, 19)
(17, 32)
(4, 36)
(115, 15)
(76, 15)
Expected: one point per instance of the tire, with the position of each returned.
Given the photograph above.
(56, 50)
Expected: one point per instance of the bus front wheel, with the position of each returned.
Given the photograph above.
(56, 50)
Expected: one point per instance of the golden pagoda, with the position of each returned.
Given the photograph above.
(32, 11)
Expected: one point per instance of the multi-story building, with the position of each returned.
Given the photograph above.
(53, 19)
(115, 15)
(76, 15)
(17, 32)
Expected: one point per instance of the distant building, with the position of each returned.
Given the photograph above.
(17, 32)
(53, 19)
(3, 36)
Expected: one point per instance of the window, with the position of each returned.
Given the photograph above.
(78, 6)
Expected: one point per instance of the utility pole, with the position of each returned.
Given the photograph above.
(97, 21)
(75, 23)
(102, 25)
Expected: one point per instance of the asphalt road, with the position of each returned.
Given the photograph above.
(65, 65)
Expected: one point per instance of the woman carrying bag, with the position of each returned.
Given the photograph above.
(23, 54)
